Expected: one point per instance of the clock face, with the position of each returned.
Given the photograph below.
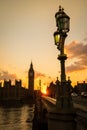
(31, 74)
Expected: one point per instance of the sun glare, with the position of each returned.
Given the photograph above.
(43, 90)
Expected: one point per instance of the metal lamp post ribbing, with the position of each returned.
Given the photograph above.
(62, 57)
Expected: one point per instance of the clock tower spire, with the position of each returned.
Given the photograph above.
(31, 80)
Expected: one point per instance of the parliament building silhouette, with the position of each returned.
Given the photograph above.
(17, 91)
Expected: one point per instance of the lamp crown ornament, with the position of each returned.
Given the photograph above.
(61, 9)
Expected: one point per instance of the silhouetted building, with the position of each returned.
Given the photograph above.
(0, 84)
(51, 90)
(18, 83)
(0, 90)
(7, 83)
(31, 80)
(54, 89)
(80, 87)
(13, 92)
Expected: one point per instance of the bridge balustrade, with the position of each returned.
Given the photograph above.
(49, 99)
(80, 111)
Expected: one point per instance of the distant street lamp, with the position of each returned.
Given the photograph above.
(63, 24)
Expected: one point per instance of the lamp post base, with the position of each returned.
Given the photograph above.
(64, 102)
(64, 99)
(61, 119)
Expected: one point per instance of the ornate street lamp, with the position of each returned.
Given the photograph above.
(63, 116)
(63, 24)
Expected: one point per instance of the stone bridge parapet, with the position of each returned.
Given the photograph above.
(58, 119)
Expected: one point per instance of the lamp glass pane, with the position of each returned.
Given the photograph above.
(57, 38)
(66, 24)
(63, 24)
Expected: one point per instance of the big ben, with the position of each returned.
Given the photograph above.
(31, 80)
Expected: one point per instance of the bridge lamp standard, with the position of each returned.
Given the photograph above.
(63, 27)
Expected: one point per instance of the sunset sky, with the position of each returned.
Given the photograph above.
(26, 34)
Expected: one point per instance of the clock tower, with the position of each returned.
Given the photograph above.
(31, 80)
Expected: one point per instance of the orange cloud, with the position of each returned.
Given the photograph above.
(39, 74)
(79, 51)
(6, 75)
(75, 67)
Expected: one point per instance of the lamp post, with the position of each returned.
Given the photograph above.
(63, 115)
(62, 23)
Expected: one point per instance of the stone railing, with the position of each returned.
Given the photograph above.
(80, 116)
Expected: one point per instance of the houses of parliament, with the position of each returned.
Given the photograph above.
(17, 91)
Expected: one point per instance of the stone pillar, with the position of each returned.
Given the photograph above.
(61, 119)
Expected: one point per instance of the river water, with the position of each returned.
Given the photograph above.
(16, 118)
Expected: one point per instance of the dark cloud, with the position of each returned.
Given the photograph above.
(85, 39)
(38, 74)
(78, 51)
(75, 67)
(6, 75)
